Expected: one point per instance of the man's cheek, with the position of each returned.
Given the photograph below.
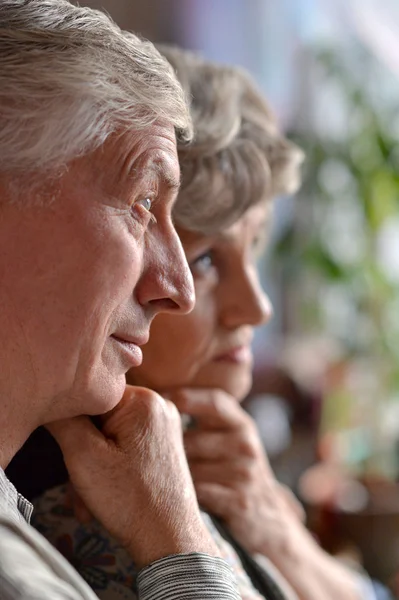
(124, 273)
(116, 281)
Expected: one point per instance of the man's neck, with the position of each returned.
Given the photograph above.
(14, 431)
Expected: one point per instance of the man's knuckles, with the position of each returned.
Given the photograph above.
(143, 404)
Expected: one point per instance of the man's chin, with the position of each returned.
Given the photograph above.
(106, 397)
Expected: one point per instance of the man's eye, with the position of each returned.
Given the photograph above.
(146, 203)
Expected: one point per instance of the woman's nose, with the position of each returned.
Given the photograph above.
(166, 284)
(265, 309)
(247, 304)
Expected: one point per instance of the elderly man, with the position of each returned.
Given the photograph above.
(88, 256)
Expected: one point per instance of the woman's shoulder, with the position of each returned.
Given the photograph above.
(94, 553)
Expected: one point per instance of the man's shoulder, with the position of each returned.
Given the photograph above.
(31, 568)
(9, 500)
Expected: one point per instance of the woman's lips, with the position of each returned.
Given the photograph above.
(237, 355)
(130, 350)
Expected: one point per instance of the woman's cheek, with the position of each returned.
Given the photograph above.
(202, 330)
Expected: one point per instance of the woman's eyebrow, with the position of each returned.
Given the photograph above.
(262, 229)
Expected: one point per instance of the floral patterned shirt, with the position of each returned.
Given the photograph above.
(100, 560)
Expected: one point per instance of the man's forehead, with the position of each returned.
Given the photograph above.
(132, 154)
(161, 167)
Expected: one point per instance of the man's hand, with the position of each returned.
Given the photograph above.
(134, 478)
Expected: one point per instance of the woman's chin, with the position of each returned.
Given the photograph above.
(241, 390)
(237, 382)
(234, 379)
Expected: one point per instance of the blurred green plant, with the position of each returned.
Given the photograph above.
(339, 258)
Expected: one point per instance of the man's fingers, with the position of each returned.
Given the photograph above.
(76, 435)
(82, 513)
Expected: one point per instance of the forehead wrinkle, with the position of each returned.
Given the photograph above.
(155, 168)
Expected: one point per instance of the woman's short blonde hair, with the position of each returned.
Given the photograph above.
(238, 156)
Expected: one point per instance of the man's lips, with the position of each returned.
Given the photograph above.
(138, 340)
(130, 347)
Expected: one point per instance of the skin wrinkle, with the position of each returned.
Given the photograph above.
(107, 324)
(146, 164)
(163, 175)
(77, 299)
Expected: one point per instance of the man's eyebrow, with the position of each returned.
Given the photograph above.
(159, 170)
(166, 176)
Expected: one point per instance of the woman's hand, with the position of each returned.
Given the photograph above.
(231, 472)
(134, 478)
(234, 481)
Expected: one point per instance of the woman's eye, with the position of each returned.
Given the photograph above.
(202, 264)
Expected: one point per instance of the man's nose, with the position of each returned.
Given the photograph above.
(166, 284)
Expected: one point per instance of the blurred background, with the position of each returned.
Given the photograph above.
(326, 388)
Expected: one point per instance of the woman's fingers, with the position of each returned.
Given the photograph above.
(207, 446)
(216, 445)
(215, 498)
(293, 502)
(225, 472)
(211, 408)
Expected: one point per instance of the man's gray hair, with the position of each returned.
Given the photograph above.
(69, 77)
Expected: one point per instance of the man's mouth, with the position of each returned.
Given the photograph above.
(131, 347)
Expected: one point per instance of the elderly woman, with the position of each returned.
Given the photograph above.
(237, 163)
(88, 257)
